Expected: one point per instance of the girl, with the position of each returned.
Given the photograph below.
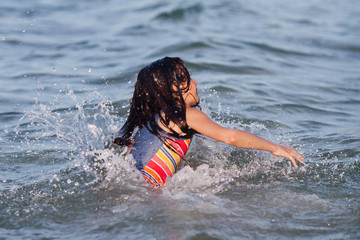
(165, 114)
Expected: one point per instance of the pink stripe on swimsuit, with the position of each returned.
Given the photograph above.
(157, 160)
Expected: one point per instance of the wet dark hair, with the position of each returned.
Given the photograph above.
(158, 89)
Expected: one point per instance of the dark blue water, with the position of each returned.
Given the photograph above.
(287, 72)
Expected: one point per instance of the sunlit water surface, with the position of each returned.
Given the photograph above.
(286, 72)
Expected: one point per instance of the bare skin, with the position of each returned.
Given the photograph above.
(200, 122)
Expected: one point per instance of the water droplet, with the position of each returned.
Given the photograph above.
(68, 181)
(3, 38)
(75, 68)
(54, 69)
(89, 70)
(23, 30)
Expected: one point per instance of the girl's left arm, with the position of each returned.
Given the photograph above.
(200, 122)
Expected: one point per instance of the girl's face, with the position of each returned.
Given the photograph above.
(191, 97)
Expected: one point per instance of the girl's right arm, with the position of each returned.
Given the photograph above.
(200, 122)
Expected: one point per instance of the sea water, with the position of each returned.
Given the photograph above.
(288, 72)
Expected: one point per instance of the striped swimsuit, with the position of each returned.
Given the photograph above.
(157, 160)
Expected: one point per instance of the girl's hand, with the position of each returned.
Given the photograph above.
(289, 153)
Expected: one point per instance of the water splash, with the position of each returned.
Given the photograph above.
(88, 124)
(94, 173)
(86, 130)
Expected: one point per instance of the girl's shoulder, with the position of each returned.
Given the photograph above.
(194, 114)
